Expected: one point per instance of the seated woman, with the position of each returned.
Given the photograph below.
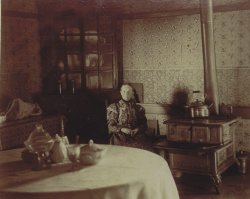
(127, 122)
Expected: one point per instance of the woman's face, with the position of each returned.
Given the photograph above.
(127, 92)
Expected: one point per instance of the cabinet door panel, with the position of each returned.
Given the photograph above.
(224, 154)
(172, 132)
(215, 135)
(200, 134)
(106, 79)
(191, 163)
(184, 133)
(92, 80)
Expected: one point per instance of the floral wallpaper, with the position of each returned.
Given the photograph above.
(165, 54)
(232, 49)
(20, 64)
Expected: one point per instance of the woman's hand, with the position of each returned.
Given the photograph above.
(129, 131)
(126, 131)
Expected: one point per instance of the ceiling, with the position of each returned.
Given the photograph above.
(132, 7)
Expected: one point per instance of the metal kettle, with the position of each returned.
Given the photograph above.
(198, 109)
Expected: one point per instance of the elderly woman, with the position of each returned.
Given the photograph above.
(127, 122)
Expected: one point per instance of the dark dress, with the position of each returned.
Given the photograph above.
(127, 115)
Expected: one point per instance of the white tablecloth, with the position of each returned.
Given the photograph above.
(124, 173)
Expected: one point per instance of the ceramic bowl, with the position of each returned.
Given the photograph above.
(91, 154)
(73, 152)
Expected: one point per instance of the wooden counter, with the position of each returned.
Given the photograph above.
(14, 133)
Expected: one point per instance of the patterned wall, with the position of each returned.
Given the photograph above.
(20, 63)
(166, 54)
(242, 135)
(232, 47)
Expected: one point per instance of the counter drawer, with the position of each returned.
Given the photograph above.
(181, 133)
(200, 134)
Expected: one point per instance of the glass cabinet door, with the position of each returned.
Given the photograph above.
(91, 51)
(91, 61)
(73, 43)
(106, 43)
(76, 79)
(106, 79)
(107, 61)
(92, 80)
(73, 49)
(74, 62)
(99, 53)
(87, 54)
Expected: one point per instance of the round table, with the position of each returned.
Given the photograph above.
(123, 172)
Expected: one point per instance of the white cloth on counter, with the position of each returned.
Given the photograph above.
(123, 173)
(18, 109)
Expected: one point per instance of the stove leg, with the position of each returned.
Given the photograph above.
(216, 181)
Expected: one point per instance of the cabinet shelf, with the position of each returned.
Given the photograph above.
(99, 69)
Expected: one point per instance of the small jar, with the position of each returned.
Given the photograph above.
(242, 164)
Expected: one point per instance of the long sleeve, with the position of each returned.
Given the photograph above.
(112, 119)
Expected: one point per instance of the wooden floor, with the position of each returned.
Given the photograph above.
(234, 186)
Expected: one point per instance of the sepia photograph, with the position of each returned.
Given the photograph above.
(125, 99)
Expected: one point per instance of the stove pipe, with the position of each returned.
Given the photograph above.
(210, 78)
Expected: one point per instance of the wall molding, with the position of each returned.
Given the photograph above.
(163, 69)
(181, 12)
(162, 109)
(173, 13)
